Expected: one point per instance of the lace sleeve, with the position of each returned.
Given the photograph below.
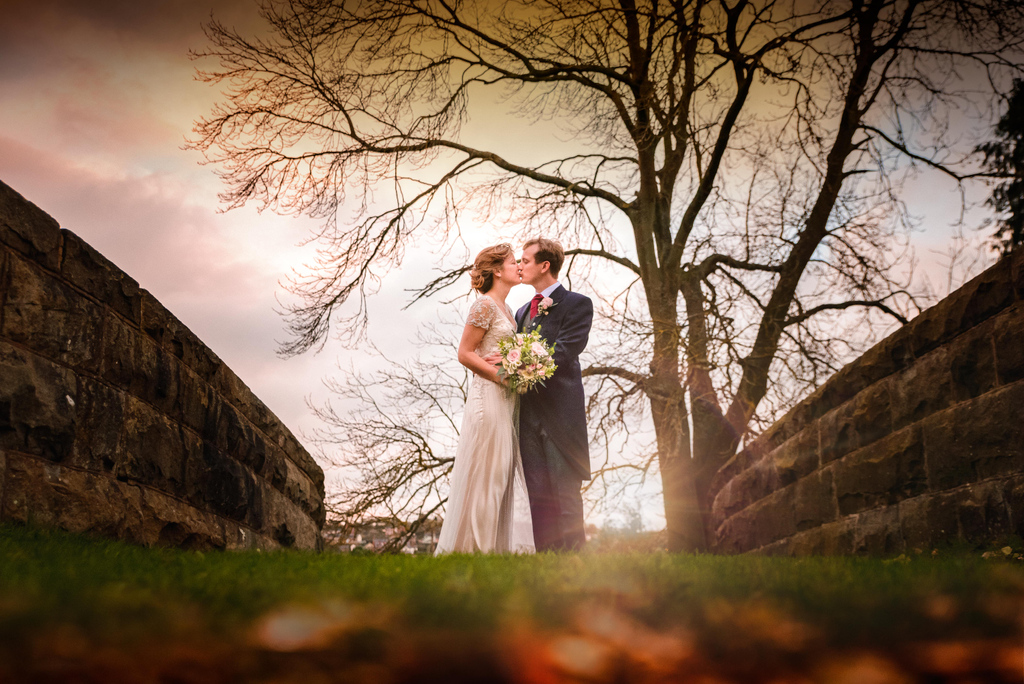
(481, 314)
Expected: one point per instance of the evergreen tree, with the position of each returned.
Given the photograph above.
(1004, 158)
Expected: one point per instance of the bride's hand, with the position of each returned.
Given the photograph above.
(493, 359)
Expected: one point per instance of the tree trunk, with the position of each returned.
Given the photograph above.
(683, 515)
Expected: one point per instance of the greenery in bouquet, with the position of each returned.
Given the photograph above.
(525, 361)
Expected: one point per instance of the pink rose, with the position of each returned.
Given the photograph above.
(514, 357)
(538, 349)
(545, 304)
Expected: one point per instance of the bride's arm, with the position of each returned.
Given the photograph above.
(471, 337)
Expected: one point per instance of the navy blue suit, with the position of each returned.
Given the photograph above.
(553, 424)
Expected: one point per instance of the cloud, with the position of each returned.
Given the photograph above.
(188, 256)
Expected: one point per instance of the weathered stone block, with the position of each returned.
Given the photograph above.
(5, 283)
(896, 352)
(882, 473)
(219, 483)
(285, 523)
(797, 457)
(275, 468)
(982, 512)
(51, 495)
(100, 427)
(165, 521)
(736, 535)
(977, 300)
(773, 518)
(301, 491)
(1017, 273)
(241, 538)
(831, 539)
(161, 325)
(280, 434)
(1013, 495)
(878, 532)
(38, 401)
(838, 390)
(889, 356)
(872, 414)
(988, 293)
(727, 502)
(926, 332)
(195, 399)
(799, 418)
(753, 484)
(928, 520)
(252, 447)
(84, 267)
(230, 433)
(947, 457)
(1007, 337)
(154, 450)
(55, 496)
(838, 434)
(813, 500)
(975, 440)
(29, 230)
(172, 336)
(972, 362)
(750, 454)
(163, 389)
(782, 547)
(238, 394)
(47, 316)
(128, 362)
(134, 363)
(921, 390)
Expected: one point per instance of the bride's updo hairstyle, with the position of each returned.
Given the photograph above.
(489, 261)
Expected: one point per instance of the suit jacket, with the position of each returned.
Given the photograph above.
(560, 406)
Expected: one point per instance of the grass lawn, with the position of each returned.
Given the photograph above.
(74, 608)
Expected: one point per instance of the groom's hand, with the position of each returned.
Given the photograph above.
(493, 359)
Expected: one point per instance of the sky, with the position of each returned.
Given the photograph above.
(96, 101)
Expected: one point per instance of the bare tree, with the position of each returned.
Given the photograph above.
(397, 447)
(735, 161)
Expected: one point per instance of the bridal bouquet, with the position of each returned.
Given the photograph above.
(525, 361)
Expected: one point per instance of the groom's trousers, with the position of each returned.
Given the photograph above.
(556, 500)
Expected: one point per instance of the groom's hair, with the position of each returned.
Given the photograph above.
(550, 251)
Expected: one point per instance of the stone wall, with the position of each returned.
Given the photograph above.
(918, 442)
(115, 419)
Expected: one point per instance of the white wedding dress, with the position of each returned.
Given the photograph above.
(488, 508)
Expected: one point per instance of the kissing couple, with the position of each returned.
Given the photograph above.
(521, 458)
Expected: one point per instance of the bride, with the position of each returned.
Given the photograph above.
(488, 509)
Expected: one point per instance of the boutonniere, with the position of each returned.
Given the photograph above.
(545, 305)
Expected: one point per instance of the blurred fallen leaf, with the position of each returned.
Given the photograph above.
(867, 668)
(297, 628)
(581, 656)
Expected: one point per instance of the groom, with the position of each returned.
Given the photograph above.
(552, 419)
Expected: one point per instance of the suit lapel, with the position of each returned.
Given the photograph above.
(559, 294)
